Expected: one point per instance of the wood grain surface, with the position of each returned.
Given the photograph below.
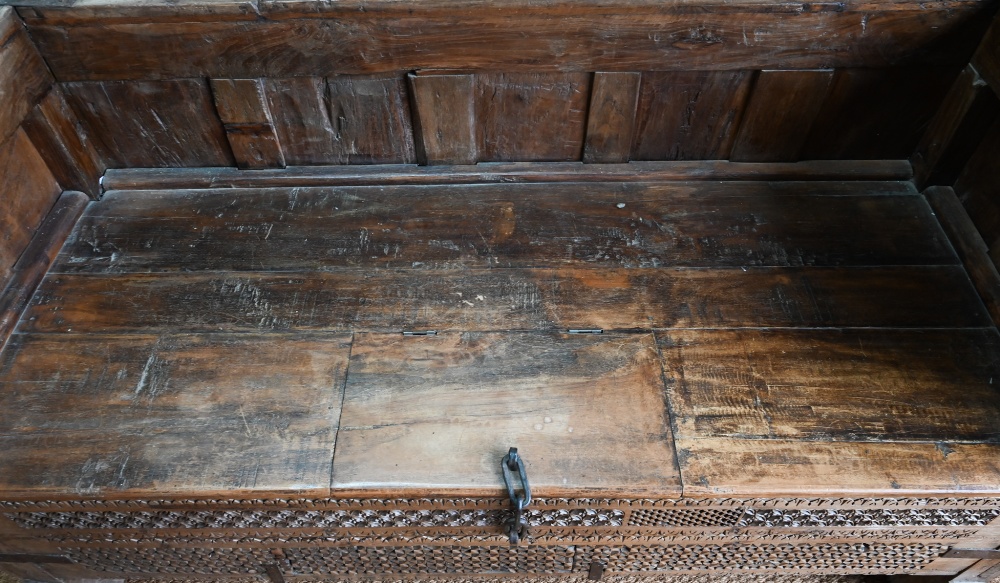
(247, 119)
(24, 77)
(445, 118)
(611, 117)
(438, 413)
(129, 415)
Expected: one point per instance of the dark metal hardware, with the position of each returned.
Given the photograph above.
(585, 331)
(596, 572)
(274, 573)
(517, 526)
(972, 554)
(420, 333)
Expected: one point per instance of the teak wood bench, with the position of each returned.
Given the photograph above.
(285, 281)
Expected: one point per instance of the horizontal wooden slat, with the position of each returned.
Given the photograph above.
(183, 178)
(24, 77)
(438, 413)
(340, 38)
(508, 300)
(169, 415)
(695, 224)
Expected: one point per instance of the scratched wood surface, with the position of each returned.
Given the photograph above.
(695, 224)
(24, 78)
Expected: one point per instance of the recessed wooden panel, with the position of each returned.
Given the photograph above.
(166, 415)
(301, 119)
(597, 225)
(690, 115)
(24, 77)
(445, 115)
(151, 123)
(782, 109)
(611, 117)
(294, 39)
(877, 114)
(241, 107)
(27, 192)
(371, 119)
(485, 300)
(438, 413)
(531, 116)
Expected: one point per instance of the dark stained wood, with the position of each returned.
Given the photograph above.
(27, 192)
(531, 116)
(302, 120)
(509, 299)
(195, 178)
(956, 130)
(34, 262)
(371, 119)
(440, 412)
(969, 245)
(444, 118)
(781, 111)
(878, 114)
(65, 145)
(24, 78)
(241, 107)
(987, 57)
(683, 224)
(611, 117)
(978, 186)
(833, 410)
(151, 123)
(690, 115)
(309, 39)
(156, 415)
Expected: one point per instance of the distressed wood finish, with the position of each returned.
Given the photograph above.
(978, 187)
(371, 116)
(782, 109)
(490, 300)
(68, 150)
(247, 119)
(128, 415)
(444, 118)
(24, 78)
(611, 117)
(307, 39)
(437, 413)
(531, 116)
(27, 192)
(302, 120)
(151, 124)
(690, 115)
(436, 227)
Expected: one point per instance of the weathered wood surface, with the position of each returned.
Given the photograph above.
(955, 132)
(67, 148)
(247, 119)
(437, 413)
(24, 78)
(444, 118)
(198, 178)
(27, 192)
(36, 259)
(969, 245)
(690, 115)
(129, 415)
(371, 116)
(531, 116)
(611, 117)
(149, 124)
(694, 224)
(491, 300)
(293, 39)
(987, 57)
(782, 109)
(978, 187)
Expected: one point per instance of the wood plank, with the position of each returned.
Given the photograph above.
(969, 245)
(878, 114)
(444, 118)
(531, 116)
(438, 413)
(34, 262)
(24, 77)
(490, 300)
(247, 119)
(28, 191)
(151, 123)
(689, 115)
(978, 186)
(697, 224)
(782, 109)
(987, 57)
(157, 416)
(543, 37)
(302, 119)
(64, 144)
(611, 117)
(834, 385)
(198, 178)
(371, 118)
(955, 132)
